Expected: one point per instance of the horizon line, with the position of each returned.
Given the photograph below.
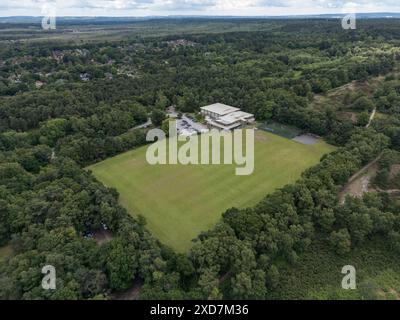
(204, 15)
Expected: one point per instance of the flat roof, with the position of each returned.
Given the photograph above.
(224, 126)
(220, 109)
(234, 117)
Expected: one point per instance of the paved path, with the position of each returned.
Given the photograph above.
(148, 123)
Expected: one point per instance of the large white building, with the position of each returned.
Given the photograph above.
(225, 117)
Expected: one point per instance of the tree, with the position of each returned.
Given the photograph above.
(162, 101)
(241, 286)
(273, 277)
(265, 110)
(382, 178)
(249, 285)
(157, 117)
(208, 283)
(121, 264)
(360, 225)
(185, 268)
(394, 240)
(363, 104)
(326, 219)
(341, 241)
(363, 119)
(53, 130)
(165, 125)
(368, 290)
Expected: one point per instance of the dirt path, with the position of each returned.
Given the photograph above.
(371, 118)
(224, 277)
(53, 155)
(102, 236)
(130, 294)
(148, 123)
(393, 192)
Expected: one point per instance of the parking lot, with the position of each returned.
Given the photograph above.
(189, 127)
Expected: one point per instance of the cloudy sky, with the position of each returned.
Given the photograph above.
(194, 7)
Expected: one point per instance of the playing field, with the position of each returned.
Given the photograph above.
(180, 201)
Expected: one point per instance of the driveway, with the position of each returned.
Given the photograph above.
(148, 123)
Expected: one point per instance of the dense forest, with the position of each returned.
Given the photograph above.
(64, 106)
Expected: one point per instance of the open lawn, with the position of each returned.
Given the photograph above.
(180, 201)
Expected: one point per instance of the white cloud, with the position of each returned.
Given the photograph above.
(209, 7)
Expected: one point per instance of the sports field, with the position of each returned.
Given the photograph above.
(180, 201)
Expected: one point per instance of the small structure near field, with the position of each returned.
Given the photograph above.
(224, 117)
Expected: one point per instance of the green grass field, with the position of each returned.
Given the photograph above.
(180, 201)
(283, 130)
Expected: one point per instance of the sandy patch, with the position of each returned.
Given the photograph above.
(260, 137)
(130, 294)
(394, 171)
(360, 183)
(102, 236)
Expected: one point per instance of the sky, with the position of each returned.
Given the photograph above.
(193, 7)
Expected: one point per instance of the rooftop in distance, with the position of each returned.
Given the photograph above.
(224, 117)
(235, 116)
(219, 109)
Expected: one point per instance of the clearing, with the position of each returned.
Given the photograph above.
(181, 201)
(5, 251)
(360, 182)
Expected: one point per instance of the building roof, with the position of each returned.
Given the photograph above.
(220, 109)
(235, 117)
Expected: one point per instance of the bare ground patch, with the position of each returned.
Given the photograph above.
(391, 294)
(394, 293)
(5, 251)
(102, 236)
(360, 183)
(260, 137)
(338, 97)
(394, 171)
(352, 116)
(130, 294)
(392, 190)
